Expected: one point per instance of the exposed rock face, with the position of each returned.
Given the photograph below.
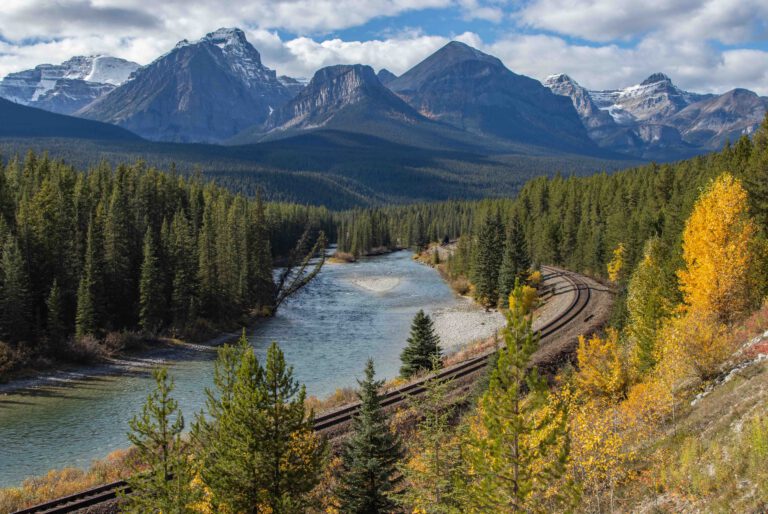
(334, 89)
(596, 120)
(473, 91)
(202, 91)
(657, 120)
(653, 100)
(69, 86)
(713, 121)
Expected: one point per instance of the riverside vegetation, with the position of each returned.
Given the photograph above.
(92, 262)
(624, 429)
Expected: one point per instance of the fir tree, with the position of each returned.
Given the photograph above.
(516, 262)
(151, 297)
(423, 346)
(369, 458)
(162, 481)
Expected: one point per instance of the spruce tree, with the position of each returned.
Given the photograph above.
(84, 316)
(14, 293)
(151, 297)
(55, 326)
(487, 260)
(369, 473)
(183, 288)
(516, 262)
(423, 346)
(162, 481)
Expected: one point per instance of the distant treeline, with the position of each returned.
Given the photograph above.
(131, 248)
(575, 222)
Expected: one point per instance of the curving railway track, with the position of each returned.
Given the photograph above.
(582, 294)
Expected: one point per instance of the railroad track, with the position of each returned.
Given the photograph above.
(581, 298)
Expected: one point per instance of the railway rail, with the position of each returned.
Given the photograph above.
(343, 415)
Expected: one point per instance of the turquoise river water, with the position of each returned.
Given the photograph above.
(349, 313)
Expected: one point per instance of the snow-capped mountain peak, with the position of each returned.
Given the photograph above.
(79, 80)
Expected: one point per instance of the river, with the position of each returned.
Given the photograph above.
(348, 313)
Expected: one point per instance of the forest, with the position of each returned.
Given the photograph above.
(92, 261)
(683, 245)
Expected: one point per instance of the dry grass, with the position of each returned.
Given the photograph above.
(342, 257)
(340, 396)
(64, 482)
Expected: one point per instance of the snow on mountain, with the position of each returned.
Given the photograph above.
(653, 99)
(78, 81)
(206, 90)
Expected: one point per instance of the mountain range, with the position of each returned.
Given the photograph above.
(657, 120)
(217, 90)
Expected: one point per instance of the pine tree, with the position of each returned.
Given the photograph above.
(515, 263)
(423, 346)
(487, 261)
(292, 454)
(232, 465)
(369, 457)
(162, 481)
(84, 317)
(14, 293)
(259, 451)
(151, 297)
(517, 447)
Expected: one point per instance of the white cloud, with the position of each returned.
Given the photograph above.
(628, 40)
(728, 21)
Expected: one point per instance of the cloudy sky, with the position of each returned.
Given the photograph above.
(704, 45)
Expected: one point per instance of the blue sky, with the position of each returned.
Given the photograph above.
(704, 45)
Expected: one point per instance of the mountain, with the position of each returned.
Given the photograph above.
(385, 76)
(473, 91)
(201, 91)
(657, 120)
(69, 86)
(653, 100)
(21, 121)
(711, 122)
(351, 98)
(596, 120)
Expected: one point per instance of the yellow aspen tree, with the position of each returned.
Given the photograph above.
(719, 252)
(601, 370)
(616, 265)
(599, 452)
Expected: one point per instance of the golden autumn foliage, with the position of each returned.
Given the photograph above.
(720, 253)
(599, 451)
(616, 265)
(601, 370)
(528, 297)
(694, 344)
